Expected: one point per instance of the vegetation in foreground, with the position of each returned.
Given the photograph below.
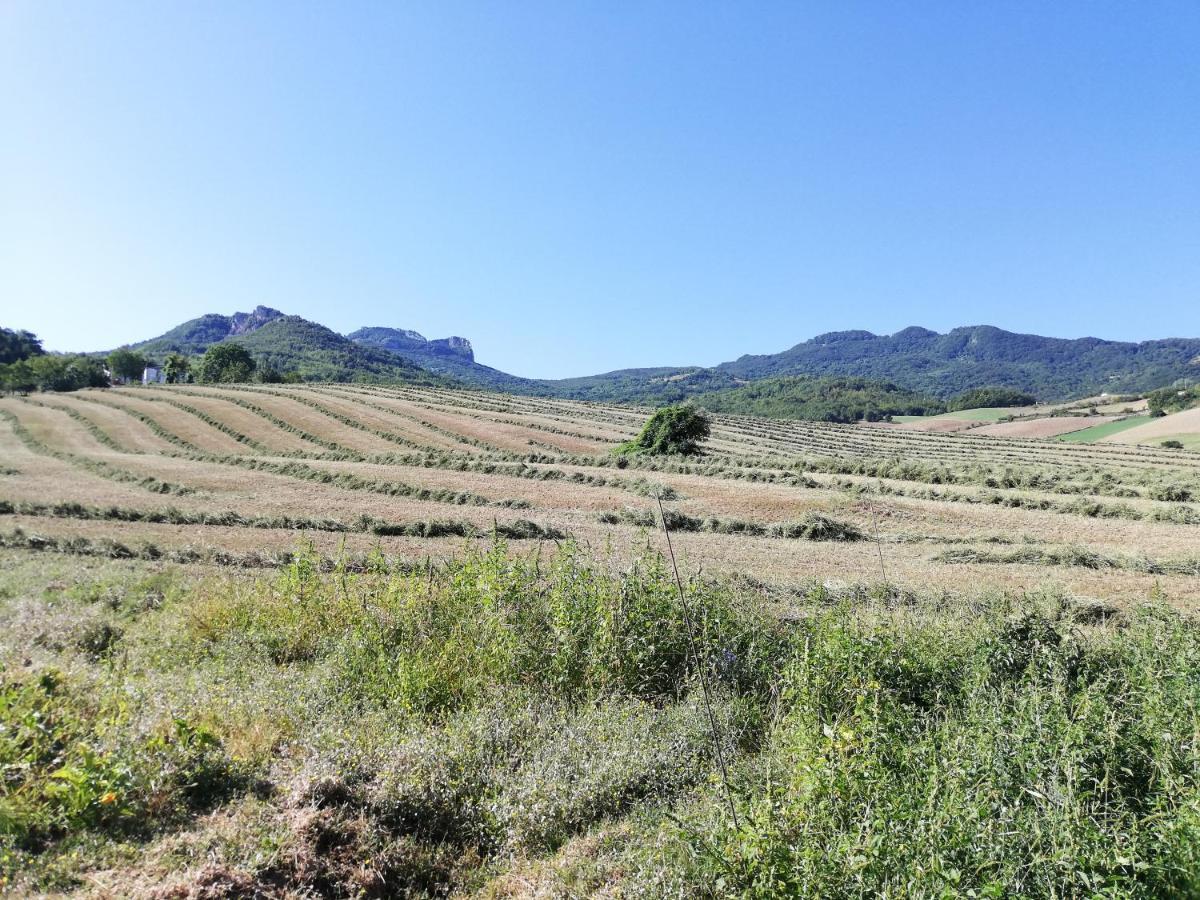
(504, 724)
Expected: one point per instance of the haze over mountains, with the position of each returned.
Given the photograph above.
(915, 359)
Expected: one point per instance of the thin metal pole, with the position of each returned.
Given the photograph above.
(687, 621)
(878, 542)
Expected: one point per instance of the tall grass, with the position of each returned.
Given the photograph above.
(389, 730)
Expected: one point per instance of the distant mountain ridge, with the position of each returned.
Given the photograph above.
(975, 356)
(913, 359)
(400, 340)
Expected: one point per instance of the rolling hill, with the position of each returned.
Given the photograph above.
(914, 359)
(317, 353)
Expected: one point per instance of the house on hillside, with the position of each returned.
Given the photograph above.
(154, 375)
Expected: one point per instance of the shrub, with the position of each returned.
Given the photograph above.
(671, 431)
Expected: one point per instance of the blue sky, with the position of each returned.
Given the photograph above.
(580, 187)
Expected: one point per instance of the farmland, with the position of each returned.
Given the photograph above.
(350, 637)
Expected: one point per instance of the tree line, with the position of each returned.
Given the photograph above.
(25, 366)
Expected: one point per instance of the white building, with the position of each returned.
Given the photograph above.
(154, 375)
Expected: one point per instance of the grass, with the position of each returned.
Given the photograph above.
(1096, 432)
(1189, 441)
(456, 729)
(194, 701)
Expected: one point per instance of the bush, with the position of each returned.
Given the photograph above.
(672, 430)
(1172, 445)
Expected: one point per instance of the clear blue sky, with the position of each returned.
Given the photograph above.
(579, 187)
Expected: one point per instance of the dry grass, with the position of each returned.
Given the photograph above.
(175, 421)
(480, 429)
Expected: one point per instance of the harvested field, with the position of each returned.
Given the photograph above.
(1051, 426)
(934, 424)
(336, 608)
(344, 452)
(1161, 428)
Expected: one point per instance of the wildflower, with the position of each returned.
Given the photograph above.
(108, 799)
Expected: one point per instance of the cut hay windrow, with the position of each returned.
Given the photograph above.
(275, 420)
(94, 466)
(519, 529)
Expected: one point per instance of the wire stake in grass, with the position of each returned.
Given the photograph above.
(687, 621)
(878, 542)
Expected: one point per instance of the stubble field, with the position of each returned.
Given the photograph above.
(349, 640)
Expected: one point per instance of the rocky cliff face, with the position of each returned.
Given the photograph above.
(400, 340)
(459, 346)
(242, 323)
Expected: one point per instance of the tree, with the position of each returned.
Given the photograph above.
(17, 377)
(126, 364)
(178, 369)
(51, 372)
(18, 345)
(226, 363)
(672, 430)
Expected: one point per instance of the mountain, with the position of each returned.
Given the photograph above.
(197, 335)
(400, 340)
(451, 356)
(317, 353)
(914, 360)
(975, 356)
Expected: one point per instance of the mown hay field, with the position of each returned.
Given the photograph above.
(343, 452)
(355, 640)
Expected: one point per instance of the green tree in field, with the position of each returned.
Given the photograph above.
(126, 364)
(226, 363)
(178, 369)
(17, 378)
(18, 345)
(672, 430)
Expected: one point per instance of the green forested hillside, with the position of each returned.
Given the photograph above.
(829, 399)
(978, 356)
(197, 335)
(316, 353)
